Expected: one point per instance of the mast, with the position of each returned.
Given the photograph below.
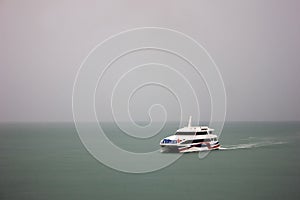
(190, 122)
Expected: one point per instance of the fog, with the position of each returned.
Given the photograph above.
(255, 45)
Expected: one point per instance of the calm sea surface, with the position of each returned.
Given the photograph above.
(260, 160)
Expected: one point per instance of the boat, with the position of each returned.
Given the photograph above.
(190, 139)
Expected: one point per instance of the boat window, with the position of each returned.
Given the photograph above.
(202, 133)
(195, 141)
(187, 142)
(185, 133)
(199, 140)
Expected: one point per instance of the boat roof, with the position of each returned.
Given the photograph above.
(194, 129)
(191, 137)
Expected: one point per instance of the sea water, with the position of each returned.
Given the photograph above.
(258, 160)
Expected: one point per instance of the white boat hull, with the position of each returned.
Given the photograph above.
(190, 139)
(189, 148)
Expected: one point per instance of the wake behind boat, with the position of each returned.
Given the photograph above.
(190, 139)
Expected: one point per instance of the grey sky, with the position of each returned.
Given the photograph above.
(255, 44)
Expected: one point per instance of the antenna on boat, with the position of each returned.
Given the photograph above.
(190, 121)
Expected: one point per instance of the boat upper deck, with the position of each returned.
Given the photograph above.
(194, 130)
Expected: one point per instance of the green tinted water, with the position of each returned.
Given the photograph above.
(48, 161)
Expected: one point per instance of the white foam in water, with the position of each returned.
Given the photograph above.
(251, 145)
